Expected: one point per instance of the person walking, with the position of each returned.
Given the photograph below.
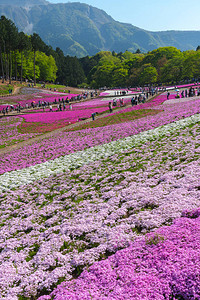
(110, 106)
(186, 93)
(168, 93)
(136, 100)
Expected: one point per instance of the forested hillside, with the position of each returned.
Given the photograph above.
(163, 65)
(28, 57)
(80, 29)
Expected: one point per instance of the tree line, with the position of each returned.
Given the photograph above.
(164, 65)
(21, 55)
(28, 57)
(25, 56)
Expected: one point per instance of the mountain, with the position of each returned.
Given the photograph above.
(24, 3)
(80, 29)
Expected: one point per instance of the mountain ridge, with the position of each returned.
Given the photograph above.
(24, 3)
(80, 29)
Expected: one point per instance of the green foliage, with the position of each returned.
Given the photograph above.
(28, 66)
(148, 74)
(32, 252)
(138, 51)
(117, 119)
(47, 66)
(154, 56)
(191, 65)
(172, 71)
(154, 239)
(8, 44)
(166, 64)
(20, 49)
(29, 57)
(119, 76)
(36, 42)
(103, 75)
(4, 89)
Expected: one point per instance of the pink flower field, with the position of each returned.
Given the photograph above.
(68, 142)
(159, 266)
(69, 116)
(82, 110)
(9, 133)
(28, 99)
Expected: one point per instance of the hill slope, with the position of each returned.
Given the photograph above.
(80, 29)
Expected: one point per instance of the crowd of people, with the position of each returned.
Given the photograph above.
(139, 99)
(192, 92)
(62, 104)
(59, 103)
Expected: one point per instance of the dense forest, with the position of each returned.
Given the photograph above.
(28, 57)
(164, 65)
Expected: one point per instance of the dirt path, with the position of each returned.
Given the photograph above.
(16, 90)
(54, 132)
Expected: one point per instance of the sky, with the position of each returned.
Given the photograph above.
(153, 15)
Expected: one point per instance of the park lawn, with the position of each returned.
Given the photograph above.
(59, 88)
(39, 127)
(117, 119)
(4, 89)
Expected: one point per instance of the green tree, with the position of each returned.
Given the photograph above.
(133, 79)
(9, 37)
(138, 51)
(148, 75)
(1, 54)
(119, 76)
(23, 44)
(160, 64)
(191, 65)
(73, 71)
(88, 63)
(28, 66)
(103, 75)
(37, 45)
(153, 57)
(47, 67)
(173, 70)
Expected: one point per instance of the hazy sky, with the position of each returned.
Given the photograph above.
(152, 15)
